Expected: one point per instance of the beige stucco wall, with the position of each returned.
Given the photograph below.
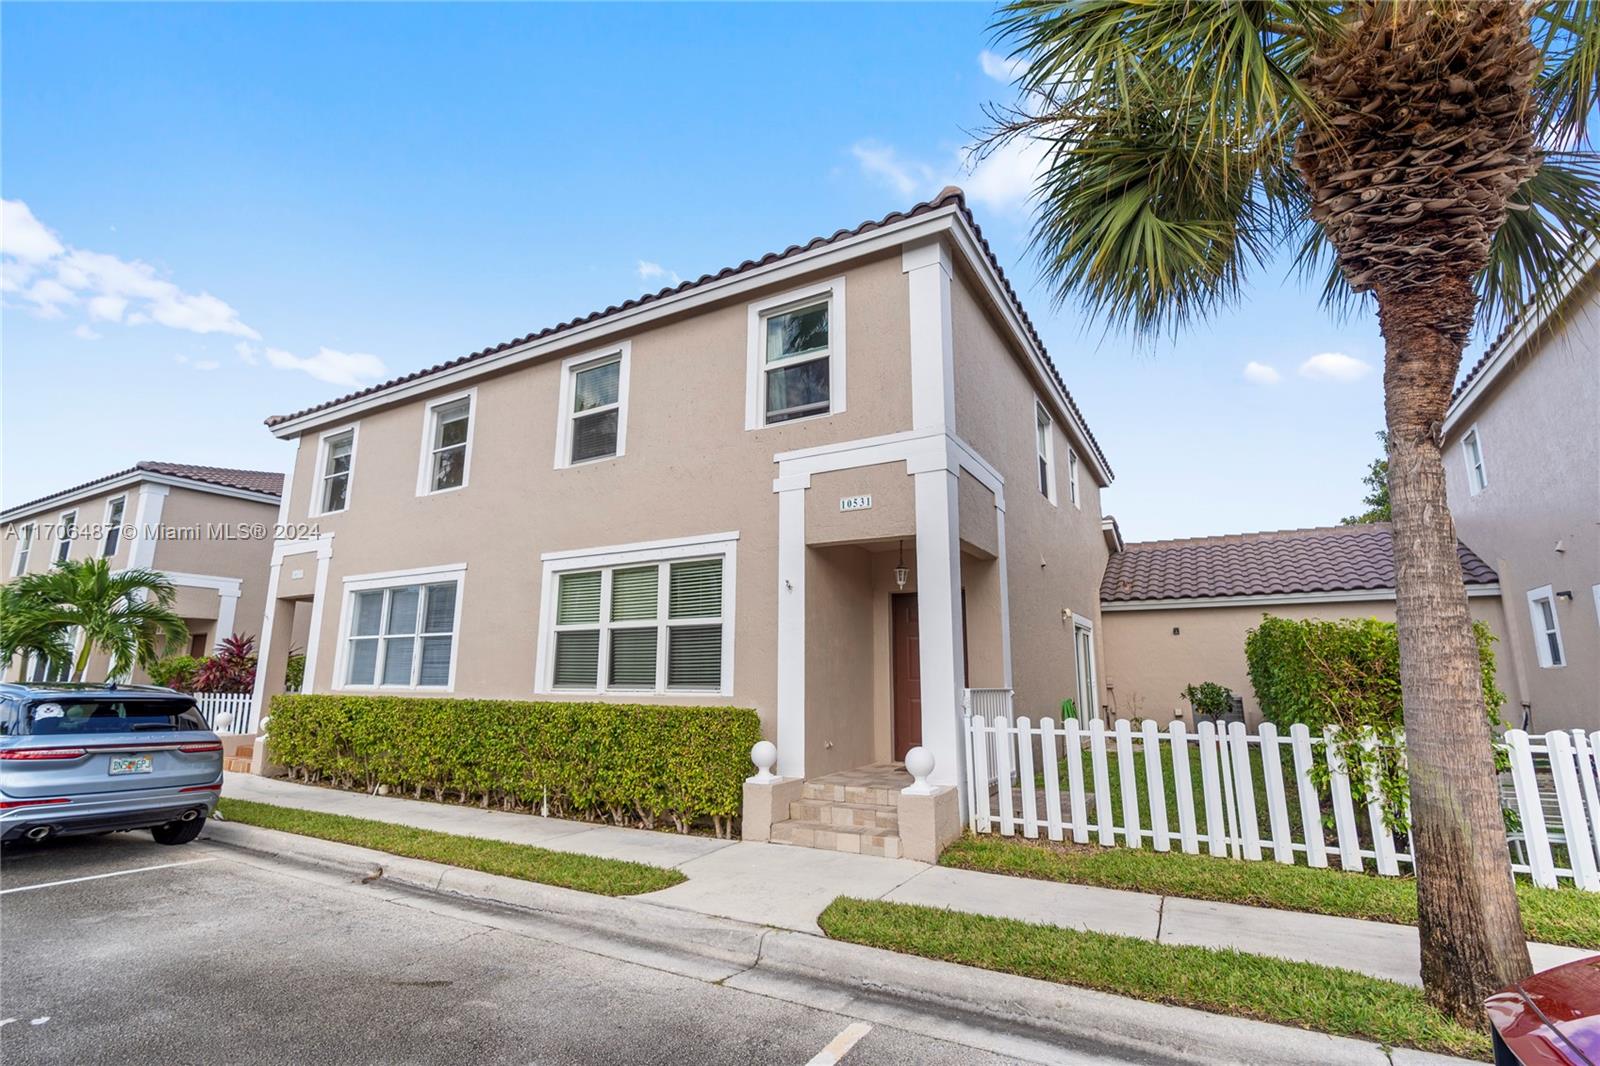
(840, 652)
(1538, 520)
(690, 468)
(1146, 665)
(91, 511)
(1055, 553)
(892, 516)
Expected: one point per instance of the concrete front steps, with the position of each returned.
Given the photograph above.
(855, 811)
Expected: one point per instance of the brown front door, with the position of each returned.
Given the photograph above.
(907, 675)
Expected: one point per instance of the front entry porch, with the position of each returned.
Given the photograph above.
(855, 811)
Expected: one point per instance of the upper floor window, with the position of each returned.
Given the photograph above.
(67, 529)
(1044, 447)
(796, 356)
(336, 464)
(19, 564)
(1072, 477)
(593, 422)
(1472, 448)
(447, 445)
(1546, 627)
(401, 635)
(114, 512)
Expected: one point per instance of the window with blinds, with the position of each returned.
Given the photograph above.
(655, 627)
(402, 637)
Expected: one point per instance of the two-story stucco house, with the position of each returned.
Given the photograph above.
(1522, 469)
(841, 484)
(209, 529)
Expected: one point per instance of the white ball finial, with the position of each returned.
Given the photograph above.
(765, 756)
(919, 763)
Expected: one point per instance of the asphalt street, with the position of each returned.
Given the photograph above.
(117, 950)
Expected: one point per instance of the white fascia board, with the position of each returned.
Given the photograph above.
(1352, 596)
(634, 318)
(66, 500)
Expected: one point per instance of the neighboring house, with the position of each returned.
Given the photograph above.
(1176, 612)
(208, 528)
(839, 484)
(1522, 469)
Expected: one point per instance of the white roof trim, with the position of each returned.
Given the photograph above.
(71, 496)
(1347, 596)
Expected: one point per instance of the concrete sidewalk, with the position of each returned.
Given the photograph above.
(787, 887)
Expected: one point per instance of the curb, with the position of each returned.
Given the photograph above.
(1021, 1017)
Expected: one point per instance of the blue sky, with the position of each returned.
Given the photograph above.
(218, 213)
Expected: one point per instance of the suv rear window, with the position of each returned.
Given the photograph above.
(76, 717)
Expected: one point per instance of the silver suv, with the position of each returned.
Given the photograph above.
(97, 758)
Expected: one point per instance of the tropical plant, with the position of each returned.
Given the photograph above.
(126, 614)
(31, 635)
(1376, 479)
(1435, 154)
(231, 668)
(1208, 697)
(294, 671)
(175, 671)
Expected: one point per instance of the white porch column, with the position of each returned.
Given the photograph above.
(791, 625)
(227, 607)
(146, 525)
(933, 366)
(939, 623)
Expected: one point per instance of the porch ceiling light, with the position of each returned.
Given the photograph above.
(901, 572)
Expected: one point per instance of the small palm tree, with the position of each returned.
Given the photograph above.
(127, 615)
(1434, 155)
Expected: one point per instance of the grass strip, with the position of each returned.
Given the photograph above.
(586, 873)
(1550, 915)
(1301, 994)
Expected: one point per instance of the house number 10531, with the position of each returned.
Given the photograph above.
(855, 503)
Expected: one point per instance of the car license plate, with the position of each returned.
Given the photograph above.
(130, 764)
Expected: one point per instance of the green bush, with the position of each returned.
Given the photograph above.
(1208, 697)
(625, 763)
(294, 672)
(1346, 673)
(175, 671)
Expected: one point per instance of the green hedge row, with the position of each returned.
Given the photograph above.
(625, 763)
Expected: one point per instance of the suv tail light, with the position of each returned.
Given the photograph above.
(45, 753)
(204, 745)
(6, 805)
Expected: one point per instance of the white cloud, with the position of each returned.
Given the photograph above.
(206, 364)
(906, 177)
(1335, 366)
(1001, 181)
(23, 237)
(655, 272)
(247, 353)
(1001, 68)
(85, 333)
(1261, 374)
(336, 368)
(107, 308)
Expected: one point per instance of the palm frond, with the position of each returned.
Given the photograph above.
(1568, 34)
(1554, 214)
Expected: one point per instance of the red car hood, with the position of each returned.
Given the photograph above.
(1552, 1018)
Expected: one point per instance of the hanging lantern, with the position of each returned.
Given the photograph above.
(901, 573)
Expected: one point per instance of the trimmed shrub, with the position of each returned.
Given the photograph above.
(629, 764)
(175, 671)
(1208, 697)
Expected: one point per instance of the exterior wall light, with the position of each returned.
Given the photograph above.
(901, 572)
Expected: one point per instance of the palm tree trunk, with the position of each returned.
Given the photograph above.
(1472, 936)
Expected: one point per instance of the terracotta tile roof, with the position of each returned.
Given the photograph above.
(1329, 559)
(263, 481)
(949, 195)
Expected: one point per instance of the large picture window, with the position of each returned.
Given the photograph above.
(401, 635)
(639, 625)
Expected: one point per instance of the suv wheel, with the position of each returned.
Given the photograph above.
(178, 832)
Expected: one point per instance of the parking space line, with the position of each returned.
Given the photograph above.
(114, 873)
(840, 1045)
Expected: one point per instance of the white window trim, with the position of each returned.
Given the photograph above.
(1474, 485)
(755, 401)
(565, 414)
(1090, 713)
(723, 545)
(109, 527)
(1541, 642)
(27, 533)
(61, 551)
(426, 575)
(1072, 478)
(319, 481)
(1049, 453)
(425, 460)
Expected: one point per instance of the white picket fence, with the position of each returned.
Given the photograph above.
(241, 705)
(1555, 772)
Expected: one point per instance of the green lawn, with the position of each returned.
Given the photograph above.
(1551, 915)
(1301, 994)
(606, 877)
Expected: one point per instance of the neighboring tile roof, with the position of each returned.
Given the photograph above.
(1330, 559)
(949, 195)
(263, 481)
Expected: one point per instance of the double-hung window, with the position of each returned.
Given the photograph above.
(448, 443)
(1072, 477)
(19, 564)
(114, 512)
(796, 356)
(593, 420)
(67, 529)
(1546, 627)
(402, 636)
(640, 627)
(1472, 450)
(337, 465)
(1044, 448)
